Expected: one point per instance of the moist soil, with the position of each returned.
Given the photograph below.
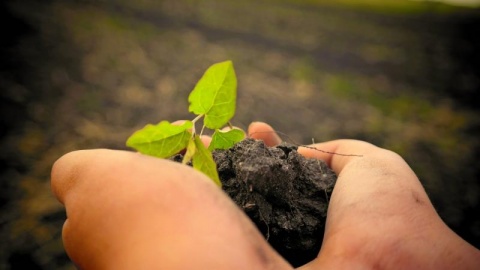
(284, 194)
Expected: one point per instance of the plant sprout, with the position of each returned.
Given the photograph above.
(214, 100)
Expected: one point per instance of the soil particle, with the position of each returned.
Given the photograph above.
(285, 194)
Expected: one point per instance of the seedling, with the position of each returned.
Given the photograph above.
(214, 100)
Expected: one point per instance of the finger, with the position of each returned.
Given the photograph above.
(337, 153)
(227, 128)
(129, 211)
(179, 122)
(264, 132)
(365, 170)
(206, 140)
(376, 195)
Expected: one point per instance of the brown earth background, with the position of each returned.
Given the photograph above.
(86, 74)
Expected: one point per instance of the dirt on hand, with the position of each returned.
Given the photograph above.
(285, 194)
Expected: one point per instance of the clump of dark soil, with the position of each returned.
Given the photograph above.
(285, 194)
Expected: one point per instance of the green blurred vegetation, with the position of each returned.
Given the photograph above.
(386, 7)
(85, 74)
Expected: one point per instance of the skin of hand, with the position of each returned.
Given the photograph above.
(129, 211)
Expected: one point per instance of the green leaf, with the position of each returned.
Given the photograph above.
(215, 95)
(203, 161)
(191, 149)
(226, 139)
(162, 140)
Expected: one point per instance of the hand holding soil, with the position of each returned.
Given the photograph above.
(130, 211)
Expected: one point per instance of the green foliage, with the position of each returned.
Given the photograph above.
(226, 139)
(215, 94)
(214, 99)
(203, 161)
(162, 140)
(191, 150)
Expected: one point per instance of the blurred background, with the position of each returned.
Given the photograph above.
(404, 75)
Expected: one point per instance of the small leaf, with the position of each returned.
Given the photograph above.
(162, 140)
(226, 139)
(215, 95)
(203, 161)
(191, 149)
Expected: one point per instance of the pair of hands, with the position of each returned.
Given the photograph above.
(130, 211)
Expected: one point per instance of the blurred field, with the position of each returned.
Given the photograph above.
(86, 74)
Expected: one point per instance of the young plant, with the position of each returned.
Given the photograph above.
(214, 100)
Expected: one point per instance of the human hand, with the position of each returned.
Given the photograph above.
(130, 211)
(380, 217)
(127, 210)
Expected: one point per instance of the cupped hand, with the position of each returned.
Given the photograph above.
(379, 215)
(129, 211)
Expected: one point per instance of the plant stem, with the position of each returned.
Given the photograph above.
(194, 121)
